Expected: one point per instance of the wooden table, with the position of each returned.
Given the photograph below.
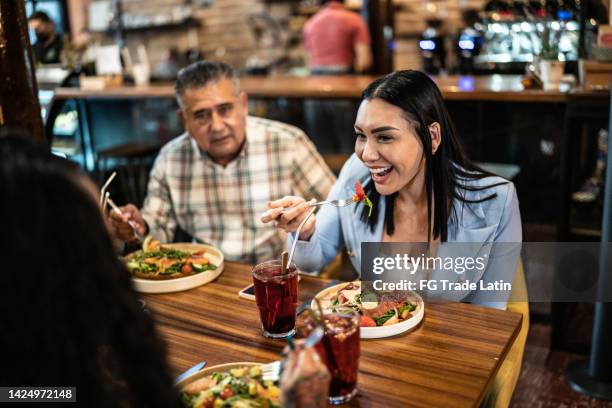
(448, 361)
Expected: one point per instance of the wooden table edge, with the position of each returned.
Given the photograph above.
(502, 357)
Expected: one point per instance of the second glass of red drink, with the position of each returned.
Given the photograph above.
(276, 295)
(340, 350)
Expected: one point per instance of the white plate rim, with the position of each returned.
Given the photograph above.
(381, 331)
(209, 370)
(185, 283)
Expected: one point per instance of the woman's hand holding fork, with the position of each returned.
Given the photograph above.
(289, 212)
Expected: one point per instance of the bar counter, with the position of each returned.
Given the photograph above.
(478, 88)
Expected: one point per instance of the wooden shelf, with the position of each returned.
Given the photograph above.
(188, 22)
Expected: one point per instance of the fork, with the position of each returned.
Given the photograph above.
(271, 371)
(118, 211)
(335, 203)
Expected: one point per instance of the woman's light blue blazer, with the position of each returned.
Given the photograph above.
(481, 224)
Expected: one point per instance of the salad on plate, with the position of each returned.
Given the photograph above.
(241, 387)
(376, 309)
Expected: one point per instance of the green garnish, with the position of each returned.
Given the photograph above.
(165, 253)
(368, 204)
(148, 262)
(407, 306)
(383, 319)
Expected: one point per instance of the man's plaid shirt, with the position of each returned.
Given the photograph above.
(222, 205)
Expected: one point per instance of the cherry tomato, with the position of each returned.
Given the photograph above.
(359, 191)
(208, 402)
(226, 393)
(187, 268)
(367, 321)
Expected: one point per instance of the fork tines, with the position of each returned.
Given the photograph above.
(271, 371)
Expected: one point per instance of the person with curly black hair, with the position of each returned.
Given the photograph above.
(70, 316)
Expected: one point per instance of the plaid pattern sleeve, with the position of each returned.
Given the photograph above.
(311, 176)
(222, 205)
(157, 210)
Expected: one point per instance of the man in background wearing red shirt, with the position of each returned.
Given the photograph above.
(337, 41)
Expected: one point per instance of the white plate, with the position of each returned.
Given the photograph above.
(209, 370)
(379, 331)
(188, 282)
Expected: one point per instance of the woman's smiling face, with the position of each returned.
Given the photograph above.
(388, 145)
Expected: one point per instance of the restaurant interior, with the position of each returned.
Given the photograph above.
(108, 86)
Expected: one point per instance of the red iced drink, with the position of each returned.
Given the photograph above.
(276, 295)
(339, 349)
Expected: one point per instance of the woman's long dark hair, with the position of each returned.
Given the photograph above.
(69, 314)
(420, 100)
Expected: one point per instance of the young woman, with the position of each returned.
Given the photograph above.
(423, 187)
(70, 316)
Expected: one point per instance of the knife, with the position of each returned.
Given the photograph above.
(190, 371)
(306, 304)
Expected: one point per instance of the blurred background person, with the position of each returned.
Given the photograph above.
(337, 42)
(49, 43)
(71, 316)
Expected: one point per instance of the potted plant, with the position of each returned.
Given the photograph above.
(548, 65)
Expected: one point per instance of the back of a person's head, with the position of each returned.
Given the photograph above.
(42, 16)
(70, 316)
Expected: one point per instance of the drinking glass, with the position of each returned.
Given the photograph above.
(340, 350)
(276, 295)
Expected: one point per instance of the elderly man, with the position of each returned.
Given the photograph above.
(216, 178)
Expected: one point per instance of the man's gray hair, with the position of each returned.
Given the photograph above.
(200, 74)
